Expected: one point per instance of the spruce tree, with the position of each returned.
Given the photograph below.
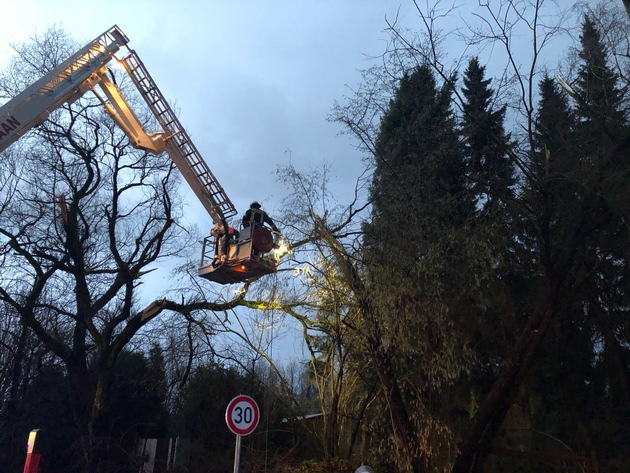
(552, 186)
(577, 192)
(600, 99)
(419, 254)
(419, 170)
(550, 194)
(603, 137)
(554, 121)
(486, 143)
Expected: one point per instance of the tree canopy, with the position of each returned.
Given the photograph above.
(466, 312)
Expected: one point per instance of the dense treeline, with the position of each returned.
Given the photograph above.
(468, 312)
(489, 292)
(139, 408)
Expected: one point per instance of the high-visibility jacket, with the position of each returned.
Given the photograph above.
(255, 215)
(258, 216)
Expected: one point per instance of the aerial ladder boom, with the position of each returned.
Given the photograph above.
(173, 138)
(86, 70)
(63, 84)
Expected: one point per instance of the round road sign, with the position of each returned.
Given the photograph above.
(241, 415)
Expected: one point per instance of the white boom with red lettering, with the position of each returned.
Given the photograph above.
(87, 69)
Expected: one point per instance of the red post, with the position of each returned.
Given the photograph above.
(33, 454)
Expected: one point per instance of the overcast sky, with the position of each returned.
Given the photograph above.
(253, 81)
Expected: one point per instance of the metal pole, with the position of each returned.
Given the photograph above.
(267, 400)
(237, 453)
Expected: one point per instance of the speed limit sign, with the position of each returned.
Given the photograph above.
(241, 415)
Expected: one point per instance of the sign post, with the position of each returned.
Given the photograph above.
(33, 452)
(241, 417)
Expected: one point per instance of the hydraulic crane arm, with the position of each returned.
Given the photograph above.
(87, 70)
(180, 147)
(172, 138)
(63, 84)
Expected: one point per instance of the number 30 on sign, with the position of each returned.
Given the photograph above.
(241, 415)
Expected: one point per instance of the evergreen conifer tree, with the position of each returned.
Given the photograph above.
(551, 187)
(577, 191)
(417, 254)
(603, 137)
(486, 143)
(600, 99)
(419, 172)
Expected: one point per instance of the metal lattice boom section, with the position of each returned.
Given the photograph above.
(101, 49)
(64, 83)
(194, 168)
